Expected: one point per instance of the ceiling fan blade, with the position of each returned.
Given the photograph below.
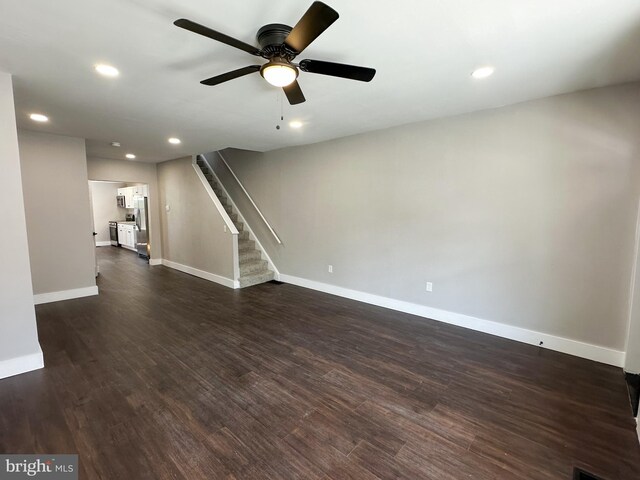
(220, 37)
(315, 21)
(225, 77)
(352, 72)
(294, 93)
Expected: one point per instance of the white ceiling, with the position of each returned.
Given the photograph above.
(424, 52)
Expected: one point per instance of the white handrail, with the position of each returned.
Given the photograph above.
(250, 199)
(214, 198)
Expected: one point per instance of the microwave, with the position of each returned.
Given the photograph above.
(121, 201)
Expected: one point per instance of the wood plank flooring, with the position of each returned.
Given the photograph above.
(166, 376)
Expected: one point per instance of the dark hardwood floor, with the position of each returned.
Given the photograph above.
(166, 376)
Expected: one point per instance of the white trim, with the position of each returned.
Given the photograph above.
(552, 342)
(103, 243)
(155, 261)
(212, 277)
(214, 198)
(23, 364)
(41, 298)
(252, 235)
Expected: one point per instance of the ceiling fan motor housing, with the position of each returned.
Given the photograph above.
(271, 39)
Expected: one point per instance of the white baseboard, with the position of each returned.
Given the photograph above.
(552, 342)
(23, 364)
(155, 261)
(212, 277)
(64, 295)
(106, 243)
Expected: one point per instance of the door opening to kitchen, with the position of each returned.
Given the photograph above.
(121, 216)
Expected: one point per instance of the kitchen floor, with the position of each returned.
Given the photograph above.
(167, 376)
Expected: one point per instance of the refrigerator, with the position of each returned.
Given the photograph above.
(141, 211)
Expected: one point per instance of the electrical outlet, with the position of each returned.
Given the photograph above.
(429, 287)
(330, 268)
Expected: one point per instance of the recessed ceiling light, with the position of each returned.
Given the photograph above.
(483, 72)
(130, 156)
(107, 70)
(175, 141)
(295, 124)
(38, 117)
(115, 144)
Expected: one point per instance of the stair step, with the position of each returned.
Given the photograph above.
(256, 278)
(229, 209)
(244, 245)
(239, 225)
(233, 217)
(201, 164)
(243, 235)
(208, 176)
(252, 267)
(223, 199)
(248, 255)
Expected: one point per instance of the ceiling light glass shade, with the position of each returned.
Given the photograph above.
(130, 156)
(175, 141)
(279, 75)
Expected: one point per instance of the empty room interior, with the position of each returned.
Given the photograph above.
(303, 240)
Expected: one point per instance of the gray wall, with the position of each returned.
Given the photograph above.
(103, 200)
(523, 215)
(632, 360)
(18, 334)
(57, 206)
(133, 172)
(193, 230)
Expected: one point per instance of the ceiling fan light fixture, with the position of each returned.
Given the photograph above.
(279, 73)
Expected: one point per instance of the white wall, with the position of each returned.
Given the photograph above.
(523, 215)
(138, 173)
(19, 347)
(193, 231)
(103, 200)
(58, 212)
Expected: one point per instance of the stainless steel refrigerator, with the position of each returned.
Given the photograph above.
(141, 210)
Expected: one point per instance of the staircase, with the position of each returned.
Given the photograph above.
(253, 269)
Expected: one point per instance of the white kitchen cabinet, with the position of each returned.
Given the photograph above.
(127, 235)
(129, 192)
(141, 190)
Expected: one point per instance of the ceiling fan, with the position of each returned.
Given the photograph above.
(280, 44)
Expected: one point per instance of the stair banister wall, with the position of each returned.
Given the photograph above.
(223, 213)
(206, 158)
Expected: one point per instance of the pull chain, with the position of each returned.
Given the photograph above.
(279, 98)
